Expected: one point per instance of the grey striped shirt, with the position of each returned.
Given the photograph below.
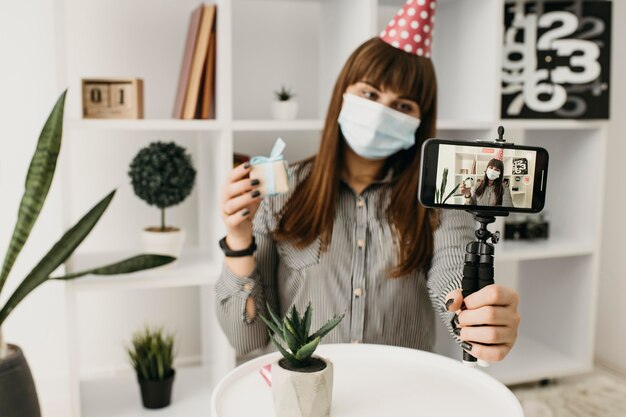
(351, 276)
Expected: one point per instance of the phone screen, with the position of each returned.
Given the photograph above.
(480, 176)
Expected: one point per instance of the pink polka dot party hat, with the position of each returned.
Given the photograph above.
(411, 30)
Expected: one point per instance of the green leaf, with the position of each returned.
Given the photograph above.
(291, 336)
(279, 322)
(295, 317)
(271, 325)
(306, 322)
(325, 329)
(291, 358)
(133, 264)
(437, 197)
(451, 193)
(305, 352)
(61, 250)
(38, 180)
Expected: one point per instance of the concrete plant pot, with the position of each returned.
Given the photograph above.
(18, 396)
(285, 110)
(167, 242)
(303, 392)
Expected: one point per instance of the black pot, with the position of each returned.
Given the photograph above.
(18, 396)
(156, 393)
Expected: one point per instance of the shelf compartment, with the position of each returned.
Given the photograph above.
(517, 250)
(146, 124)
(194, 268)
(531, 360)
(119, 396)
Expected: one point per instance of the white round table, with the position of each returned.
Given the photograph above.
(377, 381)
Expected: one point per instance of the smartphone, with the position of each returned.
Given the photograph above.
(483, 175)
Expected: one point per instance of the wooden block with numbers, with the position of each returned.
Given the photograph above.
(116, 98)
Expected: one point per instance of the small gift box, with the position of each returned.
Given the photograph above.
(272, 171)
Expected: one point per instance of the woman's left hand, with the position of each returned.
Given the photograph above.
(487, 320)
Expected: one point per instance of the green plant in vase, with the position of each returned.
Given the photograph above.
(162, 175)
(17, 390)
(298, 368)
(284, 106)
(440, 192)
(152, 357)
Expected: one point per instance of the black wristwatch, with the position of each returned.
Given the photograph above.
(237, 253)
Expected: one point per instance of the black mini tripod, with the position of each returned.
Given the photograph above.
(479, 255)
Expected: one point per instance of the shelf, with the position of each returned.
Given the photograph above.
(530, 360)
(452, 124)
(193, 268)
(145, 124)
(119, 396)
(277, 125)
(519, 250)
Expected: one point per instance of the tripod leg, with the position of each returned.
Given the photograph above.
(470, 284)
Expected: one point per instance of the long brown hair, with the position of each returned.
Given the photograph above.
(497, 183)
(310, 212)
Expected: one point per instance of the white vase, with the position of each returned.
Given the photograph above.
(302, 394)
(168, 242)
(285, 110)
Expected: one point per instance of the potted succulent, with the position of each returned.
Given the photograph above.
(302, 384)
(163, 176)
(284, 107)
(18, 397)
(152, 357)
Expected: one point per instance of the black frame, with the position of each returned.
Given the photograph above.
(428, 176)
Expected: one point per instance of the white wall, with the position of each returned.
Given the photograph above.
(29, 90)
(611, 327)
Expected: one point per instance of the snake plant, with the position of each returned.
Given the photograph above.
(38, 180)
(439, 193)
(293, 330)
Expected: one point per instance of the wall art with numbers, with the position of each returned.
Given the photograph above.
(556, 59)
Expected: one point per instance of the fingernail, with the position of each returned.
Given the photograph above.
(450, 301)
(256, 193)
(466, 346)
(456, 318)
(246, 165)
(457, 331)
(245, 212)
(255, 182)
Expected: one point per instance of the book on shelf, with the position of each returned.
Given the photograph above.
(195, 95)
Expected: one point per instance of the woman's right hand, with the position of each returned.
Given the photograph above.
(240, 201)
(465, 190)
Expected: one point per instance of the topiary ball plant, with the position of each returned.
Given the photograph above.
(162, 175)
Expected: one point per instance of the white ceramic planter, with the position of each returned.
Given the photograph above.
(285, 110)
(300, 394)
(163, 243)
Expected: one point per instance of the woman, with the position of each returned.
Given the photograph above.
(491, 191)
(350, 236)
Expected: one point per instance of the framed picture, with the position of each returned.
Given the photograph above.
(556, 60)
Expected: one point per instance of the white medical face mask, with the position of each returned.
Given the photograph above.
(492, 174)
(373, 130)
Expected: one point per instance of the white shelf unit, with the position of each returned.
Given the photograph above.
(261, 45)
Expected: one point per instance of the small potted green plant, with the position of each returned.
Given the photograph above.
(163, 176)
(302, 384)
(284, 106)
(152, 357)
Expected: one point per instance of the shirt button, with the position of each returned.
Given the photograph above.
(247, 287)
(358, 292)
(360, 203)
(360, 243)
